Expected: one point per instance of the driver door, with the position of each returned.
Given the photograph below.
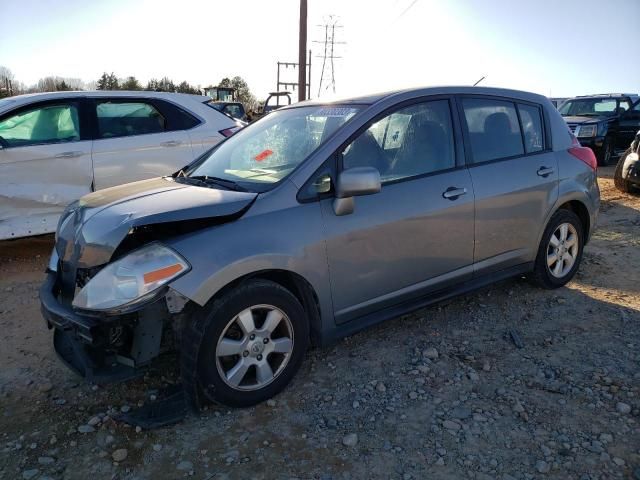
(629, 125)
(408, 239)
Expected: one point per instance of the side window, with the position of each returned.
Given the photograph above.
(234, 110)
(42, 125)
(634, 112)
(412, 141)
(623, 106)
(605, 106)
(175, 117)
(494, 130)
(531, 120)
(122, 119)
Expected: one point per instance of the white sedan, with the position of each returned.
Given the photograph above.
(56, 147)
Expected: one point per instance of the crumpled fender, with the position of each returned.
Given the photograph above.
(91, 229)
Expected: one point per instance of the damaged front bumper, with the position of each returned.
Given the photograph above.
(109, 348)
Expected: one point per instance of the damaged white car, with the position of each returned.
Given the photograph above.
(56, 147)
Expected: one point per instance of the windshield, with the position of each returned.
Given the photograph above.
(589, 107)
(267, 151)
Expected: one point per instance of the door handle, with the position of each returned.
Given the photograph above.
(171, 143)
(68, 154)
(545, 171)
(452, 193)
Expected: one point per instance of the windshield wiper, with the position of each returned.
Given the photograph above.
(275, 168)
(207, 180)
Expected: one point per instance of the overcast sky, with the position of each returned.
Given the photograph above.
(553, 47)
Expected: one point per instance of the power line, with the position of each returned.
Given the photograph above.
(329, 47)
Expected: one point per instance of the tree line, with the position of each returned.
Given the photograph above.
(9, 86)
(109, 81)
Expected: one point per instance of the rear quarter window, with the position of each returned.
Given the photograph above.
(177, 117)
(531, 119)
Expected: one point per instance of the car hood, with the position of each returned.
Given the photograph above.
(91, 229)
(577, 120)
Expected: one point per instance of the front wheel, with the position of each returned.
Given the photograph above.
(245, 346)
(607, 152)
(560, 250)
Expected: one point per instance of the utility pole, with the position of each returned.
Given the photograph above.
(302, 52)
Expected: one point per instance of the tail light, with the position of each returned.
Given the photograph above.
(584, 154)
(227, 132)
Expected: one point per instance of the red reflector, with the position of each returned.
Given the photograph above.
(586, 155)
(227, 132)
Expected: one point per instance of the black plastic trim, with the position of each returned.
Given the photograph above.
(394, 311)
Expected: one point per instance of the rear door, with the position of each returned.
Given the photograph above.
(515, 178)
(45, 164)
(138, 138)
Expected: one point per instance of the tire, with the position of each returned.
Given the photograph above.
(218, 348)
(607, 152)
(619, 181)
(546, 274)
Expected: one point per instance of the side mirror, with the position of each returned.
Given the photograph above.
(355, 182)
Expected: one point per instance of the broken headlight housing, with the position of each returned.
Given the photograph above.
(132, 279)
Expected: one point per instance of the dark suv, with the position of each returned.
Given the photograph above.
(607, 123)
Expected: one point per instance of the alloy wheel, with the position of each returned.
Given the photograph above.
(562, 250)
(254, 347)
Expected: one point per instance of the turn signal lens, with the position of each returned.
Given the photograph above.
(162, 273)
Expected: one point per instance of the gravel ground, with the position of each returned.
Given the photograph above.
(441, 393)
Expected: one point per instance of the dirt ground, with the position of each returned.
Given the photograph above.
(441, 393)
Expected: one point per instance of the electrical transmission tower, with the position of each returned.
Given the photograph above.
(327, 75)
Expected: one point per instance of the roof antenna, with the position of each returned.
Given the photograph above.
(479, 80)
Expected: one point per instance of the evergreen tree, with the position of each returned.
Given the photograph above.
(131, 83)
(103, 81)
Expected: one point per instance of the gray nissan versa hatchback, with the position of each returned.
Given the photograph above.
(312, 223)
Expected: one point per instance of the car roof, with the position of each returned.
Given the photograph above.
(36, 97)
(424, 91)
(608, 95)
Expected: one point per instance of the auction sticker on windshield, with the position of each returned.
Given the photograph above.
(335, 112)
(262, 155)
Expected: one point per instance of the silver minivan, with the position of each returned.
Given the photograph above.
(312, 223)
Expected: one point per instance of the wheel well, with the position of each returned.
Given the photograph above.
(298, 286)
(581, 211)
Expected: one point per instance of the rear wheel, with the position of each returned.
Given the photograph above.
(560, 250)
(245, 346)
(619, 181)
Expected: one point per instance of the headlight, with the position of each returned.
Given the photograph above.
(131, 279)
(587, 131)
